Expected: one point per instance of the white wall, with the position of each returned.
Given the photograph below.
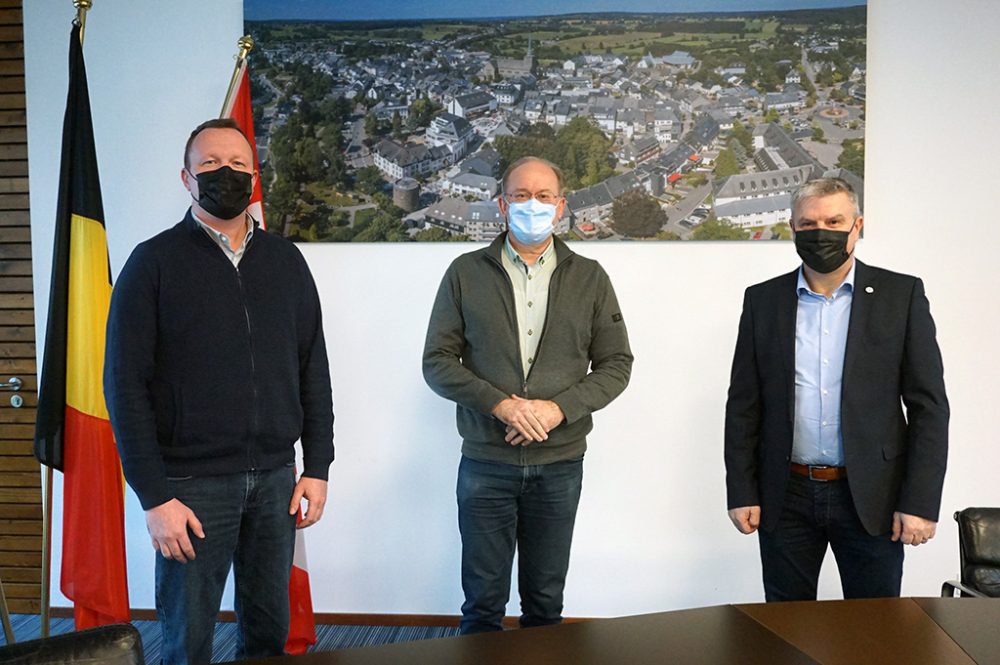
(652, 532)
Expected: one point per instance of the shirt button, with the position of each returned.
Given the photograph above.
(529, 277)
(531, 332)
(826, 392)
(530, 303)
(531, 360)
(824, 423)
(825, 361)
(826, 332)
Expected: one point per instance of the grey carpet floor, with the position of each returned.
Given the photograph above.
(328, 638)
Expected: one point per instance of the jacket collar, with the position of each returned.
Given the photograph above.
(192, 226)
(496, 248)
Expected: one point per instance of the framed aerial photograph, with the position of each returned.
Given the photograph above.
(671, 120)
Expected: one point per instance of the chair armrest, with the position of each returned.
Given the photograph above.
(949, 588)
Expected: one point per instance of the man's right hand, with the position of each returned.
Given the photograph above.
(516, 412)
(745, 518)
(168, 527)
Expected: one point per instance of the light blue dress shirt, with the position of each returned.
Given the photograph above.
(821, 325)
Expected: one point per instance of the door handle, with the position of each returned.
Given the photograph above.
(14, 383)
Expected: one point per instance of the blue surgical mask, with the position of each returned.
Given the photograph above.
(531, 221)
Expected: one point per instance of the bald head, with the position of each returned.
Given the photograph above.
(535, 164)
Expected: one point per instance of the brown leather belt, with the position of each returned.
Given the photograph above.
(820, 472)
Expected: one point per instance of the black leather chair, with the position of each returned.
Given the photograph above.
(117, 644)
(979, 554)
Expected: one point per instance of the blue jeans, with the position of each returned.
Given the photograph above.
(501, 506)
(817, 513)
(247, 525)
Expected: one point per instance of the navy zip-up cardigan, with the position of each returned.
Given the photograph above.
(210, 369)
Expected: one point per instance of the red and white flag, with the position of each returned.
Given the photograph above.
(240, 110)
(302, 629)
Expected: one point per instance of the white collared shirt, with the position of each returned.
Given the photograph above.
(223, 241)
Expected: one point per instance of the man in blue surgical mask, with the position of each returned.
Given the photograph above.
(527, 339)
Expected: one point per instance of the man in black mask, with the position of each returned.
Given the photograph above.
(215, 365)
(837, 419)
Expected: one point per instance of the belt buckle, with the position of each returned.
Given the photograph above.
(818, 466)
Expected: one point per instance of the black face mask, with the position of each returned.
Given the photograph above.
(821, 249)
(224, 193)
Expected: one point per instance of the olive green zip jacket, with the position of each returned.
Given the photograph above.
(472, 355)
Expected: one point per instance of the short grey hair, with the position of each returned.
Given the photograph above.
(517, 163)
(825, 187)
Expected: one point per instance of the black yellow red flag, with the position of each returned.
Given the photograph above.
(73, 431)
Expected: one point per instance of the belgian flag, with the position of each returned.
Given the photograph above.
(73, 431)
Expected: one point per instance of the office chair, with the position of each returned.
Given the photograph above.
(117, 644)
(979, 554)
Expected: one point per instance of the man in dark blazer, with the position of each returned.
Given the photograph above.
(837, 419)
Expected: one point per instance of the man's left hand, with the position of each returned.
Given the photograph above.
(313, 490)
(549, 414)
(912, 530)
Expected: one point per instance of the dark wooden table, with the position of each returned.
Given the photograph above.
(909, 631)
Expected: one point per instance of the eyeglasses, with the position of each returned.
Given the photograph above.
(524, 197)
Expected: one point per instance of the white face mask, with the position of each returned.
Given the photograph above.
(531, 221)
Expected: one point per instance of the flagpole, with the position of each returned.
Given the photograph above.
(46, 548)
(245, 44)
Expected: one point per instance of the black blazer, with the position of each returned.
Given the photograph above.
(895, 460)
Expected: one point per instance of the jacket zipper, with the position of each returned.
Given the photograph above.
(545, 322)
(253, 367)
(520, 359)
(517, 346)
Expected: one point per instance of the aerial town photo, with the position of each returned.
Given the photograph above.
(667, 126)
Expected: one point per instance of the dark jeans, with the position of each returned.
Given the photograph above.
(816, 513)
(247, 525)
(532, 507)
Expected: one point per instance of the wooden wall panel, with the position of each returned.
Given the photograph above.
(20, 479)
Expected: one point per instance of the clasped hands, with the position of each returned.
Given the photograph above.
(528, 420)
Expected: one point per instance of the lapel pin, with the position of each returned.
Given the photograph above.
(869, 289)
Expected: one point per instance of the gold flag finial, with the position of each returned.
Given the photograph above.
(246, 45)
(82, 7)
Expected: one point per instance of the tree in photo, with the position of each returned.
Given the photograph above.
(726, 164)
(719, 229)
(580, 149)
(369, 180)
(853, 157)
(382, 228)
(637, 215)
(373, 128)
(397, 126)
(437, 234)
(743, 136)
